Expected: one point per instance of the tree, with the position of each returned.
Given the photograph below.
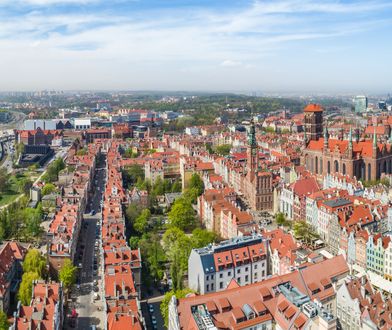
(32, 221)
(53, 170)
(166, 300)
(223, 149)
(132, 174)
(182, 214)
(202, 237)
(176, 187)
(170, 237)
(141, 223)
(4, 183)
(67, 274)
(154, 255)
(26, 287)
(4, 324)
(34, 262)
(132, 212)
(197, 183)
(280, 219)
(134, 242)
(303, 231)
(48, 188)
(24, 185)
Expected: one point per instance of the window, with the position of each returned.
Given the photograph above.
(229, 274)
(255, 275)
(246, 278)
(239, 271)
(212, 277)
(208, 287)
(207, 278)
(246, 269)
(220, 285)
(255, 266)
(220, 275)
(239, 279)
(212, 286)
(263, 273)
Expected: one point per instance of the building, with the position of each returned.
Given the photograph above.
(4, 116)
(82, 123)
(360, 103)
(93, 134)
(242, 259)
(313, 121)
(45, 310)
(257, 184)
(303, 299)
(11, 257)
(362, 159)
(359, 306)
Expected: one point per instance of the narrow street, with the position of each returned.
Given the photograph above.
(87, 294)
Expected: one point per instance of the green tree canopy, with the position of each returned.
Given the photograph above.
(4, 324)
(26, 287)
(35, 262)
(202, 237)
(131, 174)
(182, 214)
(48, 188)
(4, 183)
(67, 273)
(197, 183)
(166, 300)
(141, 223)
(223, 149)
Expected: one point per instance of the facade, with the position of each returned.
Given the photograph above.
(280, 302)
(364, 160)
(242, 259)
(257, 185)
(375, 253)
(11, 257)
(93, 134)
(45, 310)
(360, 103)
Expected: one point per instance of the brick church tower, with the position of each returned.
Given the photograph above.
(252, 154)
(313, 121)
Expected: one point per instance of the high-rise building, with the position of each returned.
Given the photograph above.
(360, 103)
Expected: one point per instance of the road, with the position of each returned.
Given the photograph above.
(90, 310)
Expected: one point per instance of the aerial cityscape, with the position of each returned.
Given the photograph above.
(195, 165)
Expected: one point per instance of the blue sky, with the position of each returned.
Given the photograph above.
(216, 45)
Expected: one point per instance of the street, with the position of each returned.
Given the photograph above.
(87, 293)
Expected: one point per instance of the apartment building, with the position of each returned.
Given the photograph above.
(214, 267)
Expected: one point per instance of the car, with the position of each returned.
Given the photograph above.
(95, 282)
(153, 320)
(92, 212)
(95, 272)
(80, 265)
(151, 308)
(95, 267)
(95, 288)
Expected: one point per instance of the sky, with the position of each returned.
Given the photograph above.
(201, 45)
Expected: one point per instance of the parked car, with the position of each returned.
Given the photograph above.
(151, 308)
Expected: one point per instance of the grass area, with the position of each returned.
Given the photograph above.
(13, 192)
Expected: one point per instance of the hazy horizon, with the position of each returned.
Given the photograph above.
(282, 46)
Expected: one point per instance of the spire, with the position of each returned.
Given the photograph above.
(374, 138)
(350, 139)
(252, 134)
(390, 137)
(326, 138)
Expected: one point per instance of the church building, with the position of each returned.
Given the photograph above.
(364, 159)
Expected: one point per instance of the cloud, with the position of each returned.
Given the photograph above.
(169, 43)
(230, 63)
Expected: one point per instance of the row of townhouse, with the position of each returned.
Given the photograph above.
(63, 232)
(12, 254)
(121, 266)
(45, 311)
(219, 212)
(360, 306)
(302, 299)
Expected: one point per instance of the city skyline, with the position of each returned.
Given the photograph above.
(321, 46)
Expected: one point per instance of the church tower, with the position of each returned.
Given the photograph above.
(313, 121)
(252, 152)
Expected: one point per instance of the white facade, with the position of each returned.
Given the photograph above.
(84, 123)
(287, 203)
